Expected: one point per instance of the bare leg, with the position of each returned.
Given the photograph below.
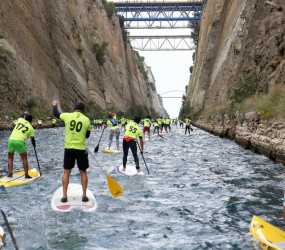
(65, 182)
(84, 183)
(118, 139)
(111, 138)
(24, 157)
(10, 164)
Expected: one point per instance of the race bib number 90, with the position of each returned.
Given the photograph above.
(77, 126)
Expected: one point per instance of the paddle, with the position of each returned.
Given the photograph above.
(37, 160)
(143, 157)
(9, 230)
(161, 136)
(96, 149)
(114, 187)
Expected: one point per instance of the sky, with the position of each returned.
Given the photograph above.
(171, 72)
(170, 69)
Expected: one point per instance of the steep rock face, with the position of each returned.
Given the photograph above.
(70, 50)
(157, 102)
(237, 85)
(240, 53)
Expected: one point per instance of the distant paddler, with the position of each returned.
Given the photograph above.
(77, 129)
(22, 131)
(132, 133)
(53, 122)
(113, 124)
(156, 127)
(167, 124)
(188, 125)
(123, 122)
(146, 126)
(160, 123)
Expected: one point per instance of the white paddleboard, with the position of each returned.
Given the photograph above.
(110, 151)
(129, 171)
(74, 200)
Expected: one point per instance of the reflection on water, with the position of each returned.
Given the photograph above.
(201, 194)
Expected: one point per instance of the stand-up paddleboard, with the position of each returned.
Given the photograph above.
(2, 237)
(130, 170)
(267, 235)
(19, 179)
(110, 151)
(74, 200)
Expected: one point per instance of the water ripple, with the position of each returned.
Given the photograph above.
(201, 194)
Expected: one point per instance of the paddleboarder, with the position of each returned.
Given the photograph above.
(77, 130)
(132, 133)
(113, 124)
(188, 125)
(23, 130)
(146, 126)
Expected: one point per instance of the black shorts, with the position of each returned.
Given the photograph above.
(81, 156)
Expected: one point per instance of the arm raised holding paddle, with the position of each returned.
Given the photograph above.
(77, 129)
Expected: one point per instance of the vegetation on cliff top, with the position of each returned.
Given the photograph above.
(141, 65)
(109, 8)
(100, 51)
(268, 106)
(246, 87)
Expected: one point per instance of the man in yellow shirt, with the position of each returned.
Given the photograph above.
(77, 129)
(146, 126)
(22, 131)
(188, 125)
(132, 133)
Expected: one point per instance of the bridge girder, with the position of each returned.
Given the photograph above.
(162, 42)
(159, 14)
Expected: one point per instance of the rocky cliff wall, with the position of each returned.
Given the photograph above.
(237, 87)
(71, 50)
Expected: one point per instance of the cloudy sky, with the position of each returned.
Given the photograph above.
(171, 72)
(170, 69)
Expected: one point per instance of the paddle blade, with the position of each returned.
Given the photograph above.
(96, 149)
(114, 187)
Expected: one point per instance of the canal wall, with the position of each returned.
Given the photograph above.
(263, 137)
(69, 50)
(237, 85)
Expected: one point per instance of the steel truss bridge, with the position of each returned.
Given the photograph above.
(166, 43)
(159, 15)
(163, 95)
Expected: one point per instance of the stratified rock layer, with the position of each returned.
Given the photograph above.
(48, 50)
(240, 62)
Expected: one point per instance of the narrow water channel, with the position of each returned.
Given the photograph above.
(201, 194)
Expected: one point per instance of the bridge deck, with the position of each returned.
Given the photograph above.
(156, 1)
(161, 3)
